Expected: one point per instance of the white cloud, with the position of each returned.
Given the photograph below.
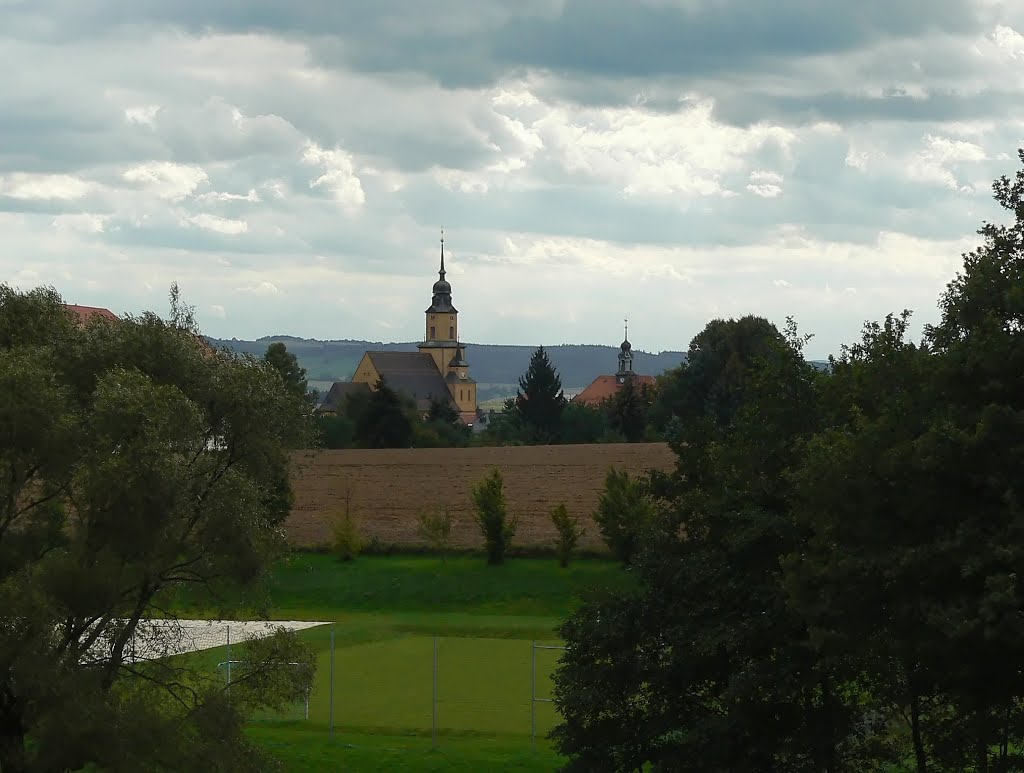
(221, 225)
(62, 187)
(259, 288)
(83, 222)
(1009, 40)
(218, 311)
(339, 177)
(167, 180)
(144, 115)
(768, 185)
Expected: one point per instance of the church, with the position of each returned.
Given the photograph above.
(437, 371)
(604, 387)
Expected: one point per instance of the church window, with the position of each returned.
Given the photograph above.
(431, 331)
(451, 332)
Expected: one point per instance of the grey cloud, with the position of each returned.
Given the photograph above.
(589, 37)
(743, 109)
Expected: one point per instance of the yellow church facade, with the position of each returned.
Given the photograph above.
(438, 370)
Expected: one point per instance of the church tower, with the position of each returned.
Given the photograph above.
(625, 358)
(441, 342)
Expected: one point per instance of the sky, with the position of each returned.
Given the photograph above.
(290, 165)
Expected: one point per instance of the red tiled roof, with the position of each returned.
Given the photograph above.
(87, 313)
(603, 387)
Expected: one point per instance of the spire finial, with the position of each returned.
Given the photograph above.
(442, 253)
(626, 321)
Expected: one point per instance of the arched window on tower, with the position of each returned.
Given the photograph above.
(451, 332)
(431, 332)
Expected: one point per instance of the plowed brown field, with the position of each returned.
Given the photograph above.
(390, 487)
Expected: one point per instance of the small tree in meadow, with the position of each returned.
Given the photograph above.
(435, 527)
(569, 533)
(623, 511)
(491, 515)
(346, 540)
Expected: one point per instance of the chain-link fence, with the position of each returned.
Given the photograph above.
(441, 687)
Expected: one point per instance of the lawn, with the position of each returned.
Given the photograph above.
(386, 612)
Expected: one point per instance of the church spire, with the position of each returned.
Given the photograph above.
(441, 272)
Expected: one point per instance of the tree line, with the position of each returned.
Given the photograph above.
(832, 578)
(540, 413)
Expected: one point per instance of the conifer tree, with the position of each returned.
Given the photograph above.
(540, 399)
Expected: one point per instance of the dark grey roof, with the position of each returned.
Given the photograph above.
(413, 373)
(335, 397)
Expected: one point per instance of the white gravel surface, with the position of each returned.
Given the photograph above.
(160, 638)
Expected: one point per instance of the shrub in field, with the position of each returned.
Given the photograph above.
(346, 540)
(623, 512)
(491, 515)
(569, 533)
(435, 526)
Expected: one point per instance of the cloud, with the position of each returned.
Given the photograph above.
(166, 179)
(63, 187)
(338, 178)
(674, 158)
(221, 225)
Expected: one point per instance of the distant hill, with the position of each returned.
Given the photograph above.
(489, 364)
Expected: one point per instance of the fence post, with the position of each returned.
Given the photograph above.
(533, 694)
(229, 661)
(433, 703)
(330, 721)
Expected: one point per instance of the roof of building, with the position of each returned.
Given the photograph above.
(604, 387)
(334, 400)
(88, 313)
(413, 373)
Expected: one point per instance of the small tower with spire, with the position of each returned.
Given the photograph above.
(625, 357)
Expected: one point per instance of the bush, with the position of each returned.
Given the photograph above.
(435, 526)
(569, 533)
(623, 511)
(343, 525)
(346, 541)
(491, 515)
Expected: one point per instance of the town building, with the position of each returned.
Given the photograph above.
(437, 371)
(604, 387)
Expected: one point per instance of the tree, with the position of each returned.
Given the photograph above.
(135, 461)
(624, 511)
(629, 410)
(915, 567)
(540, 400)
(293, 375)
(703, 665)
(384, 421)
(491, 516)
(568, 531)
(585, 424)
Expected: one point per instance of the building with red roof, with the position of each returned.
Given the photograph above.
(88, 313)
(605, 387)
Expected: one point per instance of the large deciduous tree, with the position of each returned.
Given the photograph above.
(703, 666)
(916, 565)
(540, 400)
(133, 459)
(287, 365)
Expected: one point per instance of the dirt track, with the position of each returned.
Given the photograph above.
(390, 488)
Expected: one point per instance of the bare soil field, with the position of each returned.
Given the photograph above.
(390, 487)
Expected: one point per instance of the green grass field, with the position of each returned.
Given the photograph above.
(386, 613)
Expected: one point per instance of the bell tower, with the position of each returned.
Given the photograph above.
(625, 357)
(442, 318)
